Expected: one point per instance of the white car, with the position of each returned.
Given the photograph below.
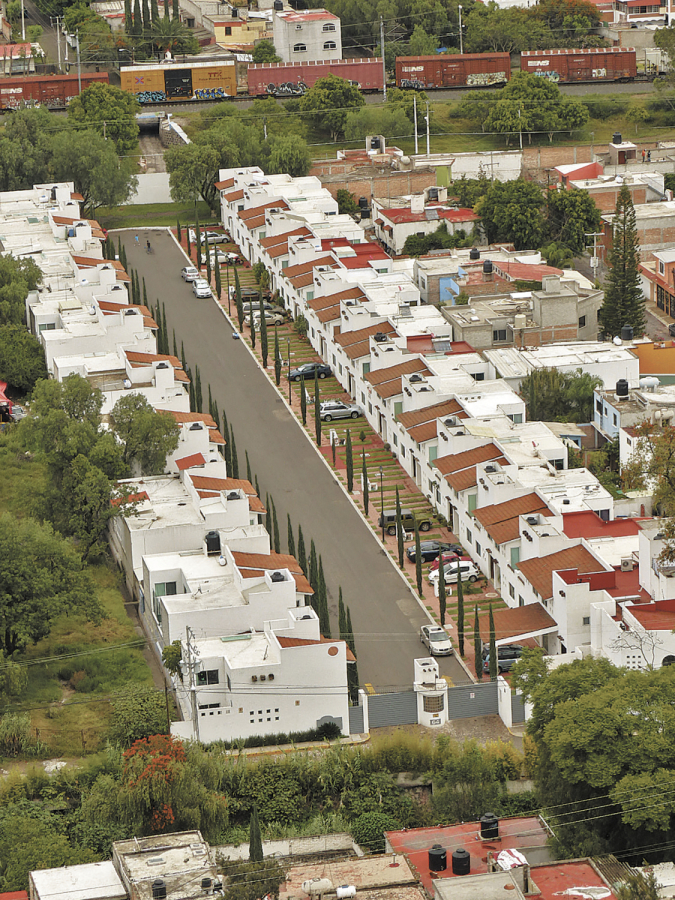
(201, 288)
(211, 237)
(468, 569)
(217, 256)
(189, 273)
(271, 318)
(436, 639)
(337, 409)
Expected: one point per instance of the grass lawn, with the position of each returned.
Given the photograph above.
(152, 214)
(67, 697)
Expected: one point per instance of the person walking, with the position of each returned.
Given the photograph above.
(649, 156)
(643, 156)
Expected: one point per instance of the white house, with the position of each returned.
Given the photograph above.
(307, 35)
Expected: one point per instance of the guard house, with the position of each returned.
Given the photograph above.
(621, 152)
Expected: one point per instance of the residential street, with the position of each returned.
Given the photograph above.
(385, 615)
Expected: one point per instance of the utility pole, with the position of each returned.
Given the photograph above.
(56, 25)
(23, 23)
(427, 118)
(384, 65)
(192, 652)
(595, 262)
(520, 131)
(461, 38)
(415, 120)
(79, 67)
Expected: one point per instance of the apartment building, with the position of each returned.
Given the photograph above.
(307, 35)
(395, 222)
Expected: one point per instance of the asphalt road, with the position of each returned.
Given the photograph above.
(385, 615)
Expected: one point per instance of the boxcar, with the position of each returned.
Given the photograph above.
(591, 64)
(268, 77)
(455, 71)
(178, 82)
(52, 91)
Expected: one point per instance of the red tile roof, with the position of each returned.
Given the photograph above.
(287, 643)
(514, 271)
(516, 622)
(328, 308)
(275, 239)
(387, 382)
(224, 185)
(501, 519)
(183, 417)
(459, 469)
(189, 462)
(402, 215)
(234, 195)
(659, 616)
(357, 343)
(589, 525)
(255, 212)
(569, 879)
(266, 561)
(307, 267)
(539, 572)
(421, 424)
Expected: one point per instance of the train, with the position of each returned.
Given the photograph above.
(52, 91)
(574, 66)
(164, 82)
(280, 79)
(453, 71)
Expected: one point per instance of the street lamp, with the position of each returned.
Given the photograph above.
(382, 501)
(461, 41)
(290, 395)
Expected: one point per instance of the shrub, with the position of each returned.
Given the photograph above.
(300, 325)
(368, 831)
(137, 713)
(329, 731)
(15, 736)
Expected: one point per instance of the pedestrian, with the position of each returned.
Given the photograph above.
(136, 239)
(649, 156)
(643, 155)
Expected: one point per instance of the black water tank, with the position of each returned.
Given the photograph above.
(375, 143)
(235, 12)
(277, 576)
(622, 388)
(363, 203)
(616, 138)
(278, 5)
(212, 542)
(627, 333)
(158, 890)
(433, 193)
(206, 883)
(438, 858)
(489, 823)
(487, 266)
(474, 253)
(461, 862)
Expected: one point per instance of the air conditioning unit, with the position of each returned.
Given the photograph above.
(263, 677)
(254, 677)
(627, 564)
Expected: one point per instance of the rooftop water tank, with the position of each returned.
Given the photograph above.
(487, 266)
(627, 333)
(622, 388)
(489, 823)
(438, 858)
(461, 862)
(616, 138)
(212, 542)
(474, 253)
(158, 890)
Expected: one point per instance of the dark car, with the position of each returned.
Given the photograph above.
(507, 656)
(431, 549)
(671, 329)
(307, 371)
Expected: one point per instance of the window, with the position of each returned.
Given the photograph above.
(517, 418)
(228, 29)
(616, 421)
(512, 591)
(587, 620)
(394, 440)
(582, 322)
(479, 549)
(598, 406)
(499, 334)
(330, 45)
(478, 376)
(329, 27)
(469, 537)
(398, 407)
(209, 676)
(165, 589)
(604, 514)
(366, 369)
(433, 453)
(472, 503)
(515, 556)
(662, 268)
(300, 48)
(402, 450)
(434, 704)
(521, 602)
(558, 464)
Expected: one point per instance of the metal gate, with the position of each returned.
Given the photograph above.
(473, 700)
(392, 709)
(356, 720)
(517, 709)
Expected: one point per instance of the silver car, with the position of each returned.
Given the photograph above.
(337, 409)
(436, 639)
(271, 318)
(189, 273)
(201, 288)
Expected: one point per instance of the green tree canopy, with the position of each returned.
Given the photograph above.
(110, 111)
(149, 435)
(265, 52)
(624, 302)
(391, 122)
(27, 844)
(330, 100)
(572, 215)
(22, 359)
(288, 153)
(17, 278)
(512, 211)
(555, 396)
(171, 34)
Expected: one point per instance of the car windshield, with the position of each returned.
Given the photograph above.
(437, 636)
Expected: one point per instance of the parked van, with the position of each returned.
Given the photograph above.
(507, 656)
(407, 518)
(466, 567)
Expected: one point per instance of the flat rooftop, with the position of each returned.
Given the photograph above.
(570, 879)
(166, 503)
(180, 860)
(369, 872)
(512, 363)
(92, 881)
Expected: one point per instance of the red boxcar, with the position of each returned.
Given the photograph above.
(455, 71)
(592, 64)
(366, 73)
(52, 91)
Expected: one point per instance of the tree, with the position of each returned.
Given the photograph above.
(391, 122)
(138, 22)
(264, 346)
(251, 319)
(317, 413)
(110, 111)
(172, 657)
(172, 35)
(22, 359)
(460, 612)
(193, 170)
(289, 153)
(233, 455)
(512, 211)
(313, 574)
(418, 559)
(324, 618)
(442, 599)
(555, 396)
(477, 645)
(329, 100)
(303, 400)
(349, 462)
(624, 302)
(265, 52)
(369, 829)
(240, 305)
(219, 286)
(199, 397)
(90, 505)
(252, 880)
(147, 22)
(17, 278)
(41, 578)
(364, 478)
(275, 529)
(572, 215)
(505, 30)
(638, 886)
(302, 555)
(399, 528)
(149, 435)
(198, 241)
(27, 844)
(493, 648)
(421, 43)
(128, 17)
(347, 205)
(277, 357)
(255, 848)
(290, 540)
(652, 467)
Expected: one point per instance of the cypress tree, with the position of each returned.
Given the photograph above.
(342, 618)
(175, 345)
(146, 16)
(493, 648)
(138, 22)
(249, 474)
(154, 11)
(277, 357)
(179, 233)
(418, 559)
(255, 848)
(210, 402)
(165, 331)
(264, 348)
(199, 400)
(268, 518)
(257, 486)
(332, 447)
(219, 284)
(275, 523)
(317, 412)
(351, 642)
(183, 361)
(290, 540)
(157, 314)
(145, 293)
(399, 528)
(324, 617)
(208, 265)
(460, 612)
(228, 445)
(187, 239)
(313, 567)
(477, 645)
(442, 600)
(128, 18)
(624, 302)
(252, 320)
(138, 288)
(237, 296)
(235, 461)
(193, 405)
(349, 461)
(302, 553)
(119, 248)
(175, 9)
(303, 400)
(198, 241)
(166, 9)
(215, 415)
(364, 476)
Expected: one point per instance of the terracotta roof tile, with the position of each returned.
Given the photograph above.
(130, 498)
(287, 643)
(215, 437)
(183, 417)
(145, 359)
(457, 461)
(357, 343)
(246, 215)
(516, 622)
(301, 281)
(266, 561)
(188, 462)
(501, 519)
(234, 195)
(387, 382)
(327, 300)
(207, 483)
(539, 572)
(429, 413)
(224, 185)
(304, 268)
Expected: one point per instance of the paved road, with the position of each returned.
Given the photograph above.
(385, 615)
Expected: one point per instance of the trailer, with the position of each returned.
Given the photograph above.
(454, 71)
(51, 91)
(178, 82)
(291, 79)
(574, 66)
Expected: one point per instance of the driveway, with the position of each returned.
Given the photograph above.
(385, 615)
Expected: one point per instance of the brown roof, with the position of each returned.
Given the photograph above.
(91, 262)
(421, 423)
(301, 281)
(247, 215)
(145, 359)
(304, 268)
(206, 483)
(539, 572)
(287, 643)
(187, 462)
(511, 623)
(223, 185)
(266, 561)
(457, 461)
(275, 239)
(357, 343)
(183, 417)
(234, 195)
(387, 382)
(501, 519)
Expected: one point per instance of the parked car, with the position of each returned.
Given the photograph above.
(407, 520)
(467, 568)
(507, 656)
(217, 256)
(430, 550)
(671, 329)
(271, 318)
(448, 556)
(336, 409)
(18, 413)
(189, 273)
(437, 641)
(201, 288)
(307, 371)
(211, 237)
(255, 307)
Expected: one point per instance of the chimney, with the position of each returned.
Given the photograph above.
(417, 203)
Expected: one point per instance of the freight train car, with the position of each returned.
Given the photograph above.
(52, 91)
(456, 71)
(591, 64)
(283, 79)
(179, 82)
